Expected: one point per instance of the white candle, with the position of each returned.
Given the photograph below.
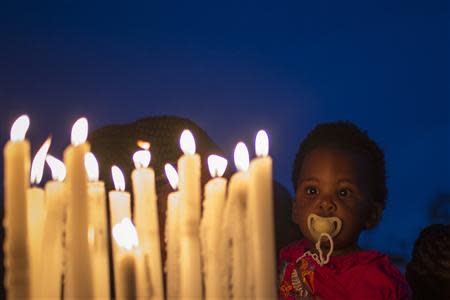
(78, 282)
(236, 225)
(36, 214)
(120, 208)
(172, 236)
(119, 200)
(51, 260)
(16, 175)
(127, 276)
(98, 227)
(260, 209)
(189, 170)
(126, 238)
(147, 226)
(215, 260)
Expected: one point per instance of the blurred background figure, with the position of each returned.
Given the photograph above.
(116, 144)
(428, 272)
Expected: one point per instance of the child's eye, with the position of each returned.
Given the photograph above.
(311, 191)
(345, 192)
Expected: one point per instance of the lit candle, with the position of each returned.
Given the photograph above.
(212, 235)
(147, 226)
(260, 209)
(36, 214)
(16, 157)
(172, 236)
(126, 238)
(189, 170)
(98, 228)
(119, 207)
(236, 225)
(51, 259)
(119, 200)
(79, 277)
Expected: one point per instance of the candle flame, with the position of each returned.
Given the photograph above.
(91, 165)
(58, 168)
(143, 144)
(172, 175)
(241, 157)
(262, 143)
(19, 128)
(142, 158)
(119, 180)
(37, 166)
(217, 165)
(79, 131)
(125, 234)
(187, 142)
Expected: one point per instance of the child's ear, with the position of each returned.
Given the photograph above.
(374, 216)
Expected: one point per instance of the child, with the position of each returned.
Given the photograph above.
(428, 272)
(340, 183)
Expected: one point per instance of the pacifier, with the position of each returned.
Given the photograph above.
(318, 225)
(323, 228)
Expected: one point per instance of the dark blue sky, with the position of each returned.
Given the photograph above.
(237, 67)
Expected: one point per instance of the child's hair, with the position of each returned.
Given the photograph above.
(428, 272)
(346, 135)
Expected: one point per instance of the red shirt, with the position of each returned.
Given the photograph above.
(360, 275)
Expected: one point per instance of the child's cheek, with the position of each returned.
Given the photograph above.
(296, 212)
(299, 212)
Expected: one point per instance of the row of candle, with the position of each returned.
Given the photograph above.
(235, 234)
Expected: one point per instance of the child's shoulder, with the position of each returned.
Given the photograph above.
(374, 262)
(376, 270)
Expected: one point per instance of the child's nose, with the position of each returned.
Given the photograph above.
(327, 205)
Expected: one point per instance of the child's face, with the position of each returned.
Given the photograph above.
(333, 183)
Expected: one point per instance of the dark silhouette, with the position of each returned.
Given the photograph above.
(428, 272)
(116, 144)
